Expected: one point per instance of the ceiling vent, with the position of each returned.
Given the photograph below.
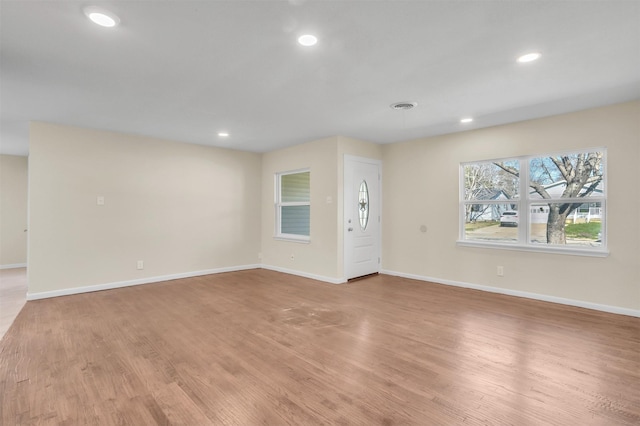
(403, 105)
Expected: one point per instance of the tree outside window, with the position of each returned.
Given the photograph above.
(556, 200)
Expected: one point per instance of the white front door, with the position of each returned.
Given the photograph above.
(361, 216)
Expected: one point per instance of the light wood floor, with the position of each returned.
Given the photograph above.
(13, 295)
(260, 347)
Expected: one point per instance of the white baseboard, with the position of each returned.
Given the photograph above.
(149, 280)
(305, 274)
(15, 265)
(536, 296)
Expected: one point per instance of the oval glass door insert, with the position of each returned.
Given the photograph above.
(363, 204)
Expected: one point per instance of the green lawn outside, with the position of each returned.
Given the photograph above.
(583, 230)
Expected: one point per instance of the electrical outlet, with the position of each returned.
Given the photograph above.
(140, 264)
(500, 271)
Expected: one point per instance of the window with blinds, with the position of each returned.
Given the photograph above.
(293, 205)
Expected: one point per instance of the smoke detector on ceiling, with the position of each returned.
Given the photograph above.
(403, 105)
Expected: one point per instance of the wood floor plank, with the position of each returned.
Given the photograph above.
(260, 347)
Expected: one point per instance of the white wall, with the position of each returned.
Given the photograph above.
(180, 208)
(13, 211)
(429, 167)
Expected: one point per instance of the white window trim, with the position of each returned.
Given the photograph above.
(524, 205)
(535, 248)
(278, 204)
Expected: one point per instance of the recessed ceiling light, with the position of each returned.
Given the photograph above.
(466, 120)
(223, 134)
(307, 40)
(101, 17)
(529, 57)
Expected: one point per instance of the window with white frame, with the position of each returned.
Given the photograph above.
(552, 202)
(293, 205)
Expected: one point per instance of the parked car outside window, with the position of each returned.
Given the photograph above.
(509, 218)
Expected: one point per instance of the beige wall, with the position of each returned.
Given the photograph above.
(429, 167)
(319, 256)
(184, 208)
(13, 210)
(322, 257)
(178, 207)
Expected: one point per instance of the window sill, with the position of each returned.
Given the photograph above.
(293, 239)
(590, 252)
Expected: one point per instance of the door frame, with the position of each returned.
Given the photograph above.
(345, 225)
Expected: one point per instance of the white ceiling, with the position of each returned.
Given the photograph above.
(184, 70)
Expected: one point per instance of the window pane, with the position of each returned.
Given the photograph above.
(570, 224)
(295, 187)
(558, 200)
(566, 176)
(295, 220)
(363, 204)
(487, 212)
(491, 181)
(491, 222)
